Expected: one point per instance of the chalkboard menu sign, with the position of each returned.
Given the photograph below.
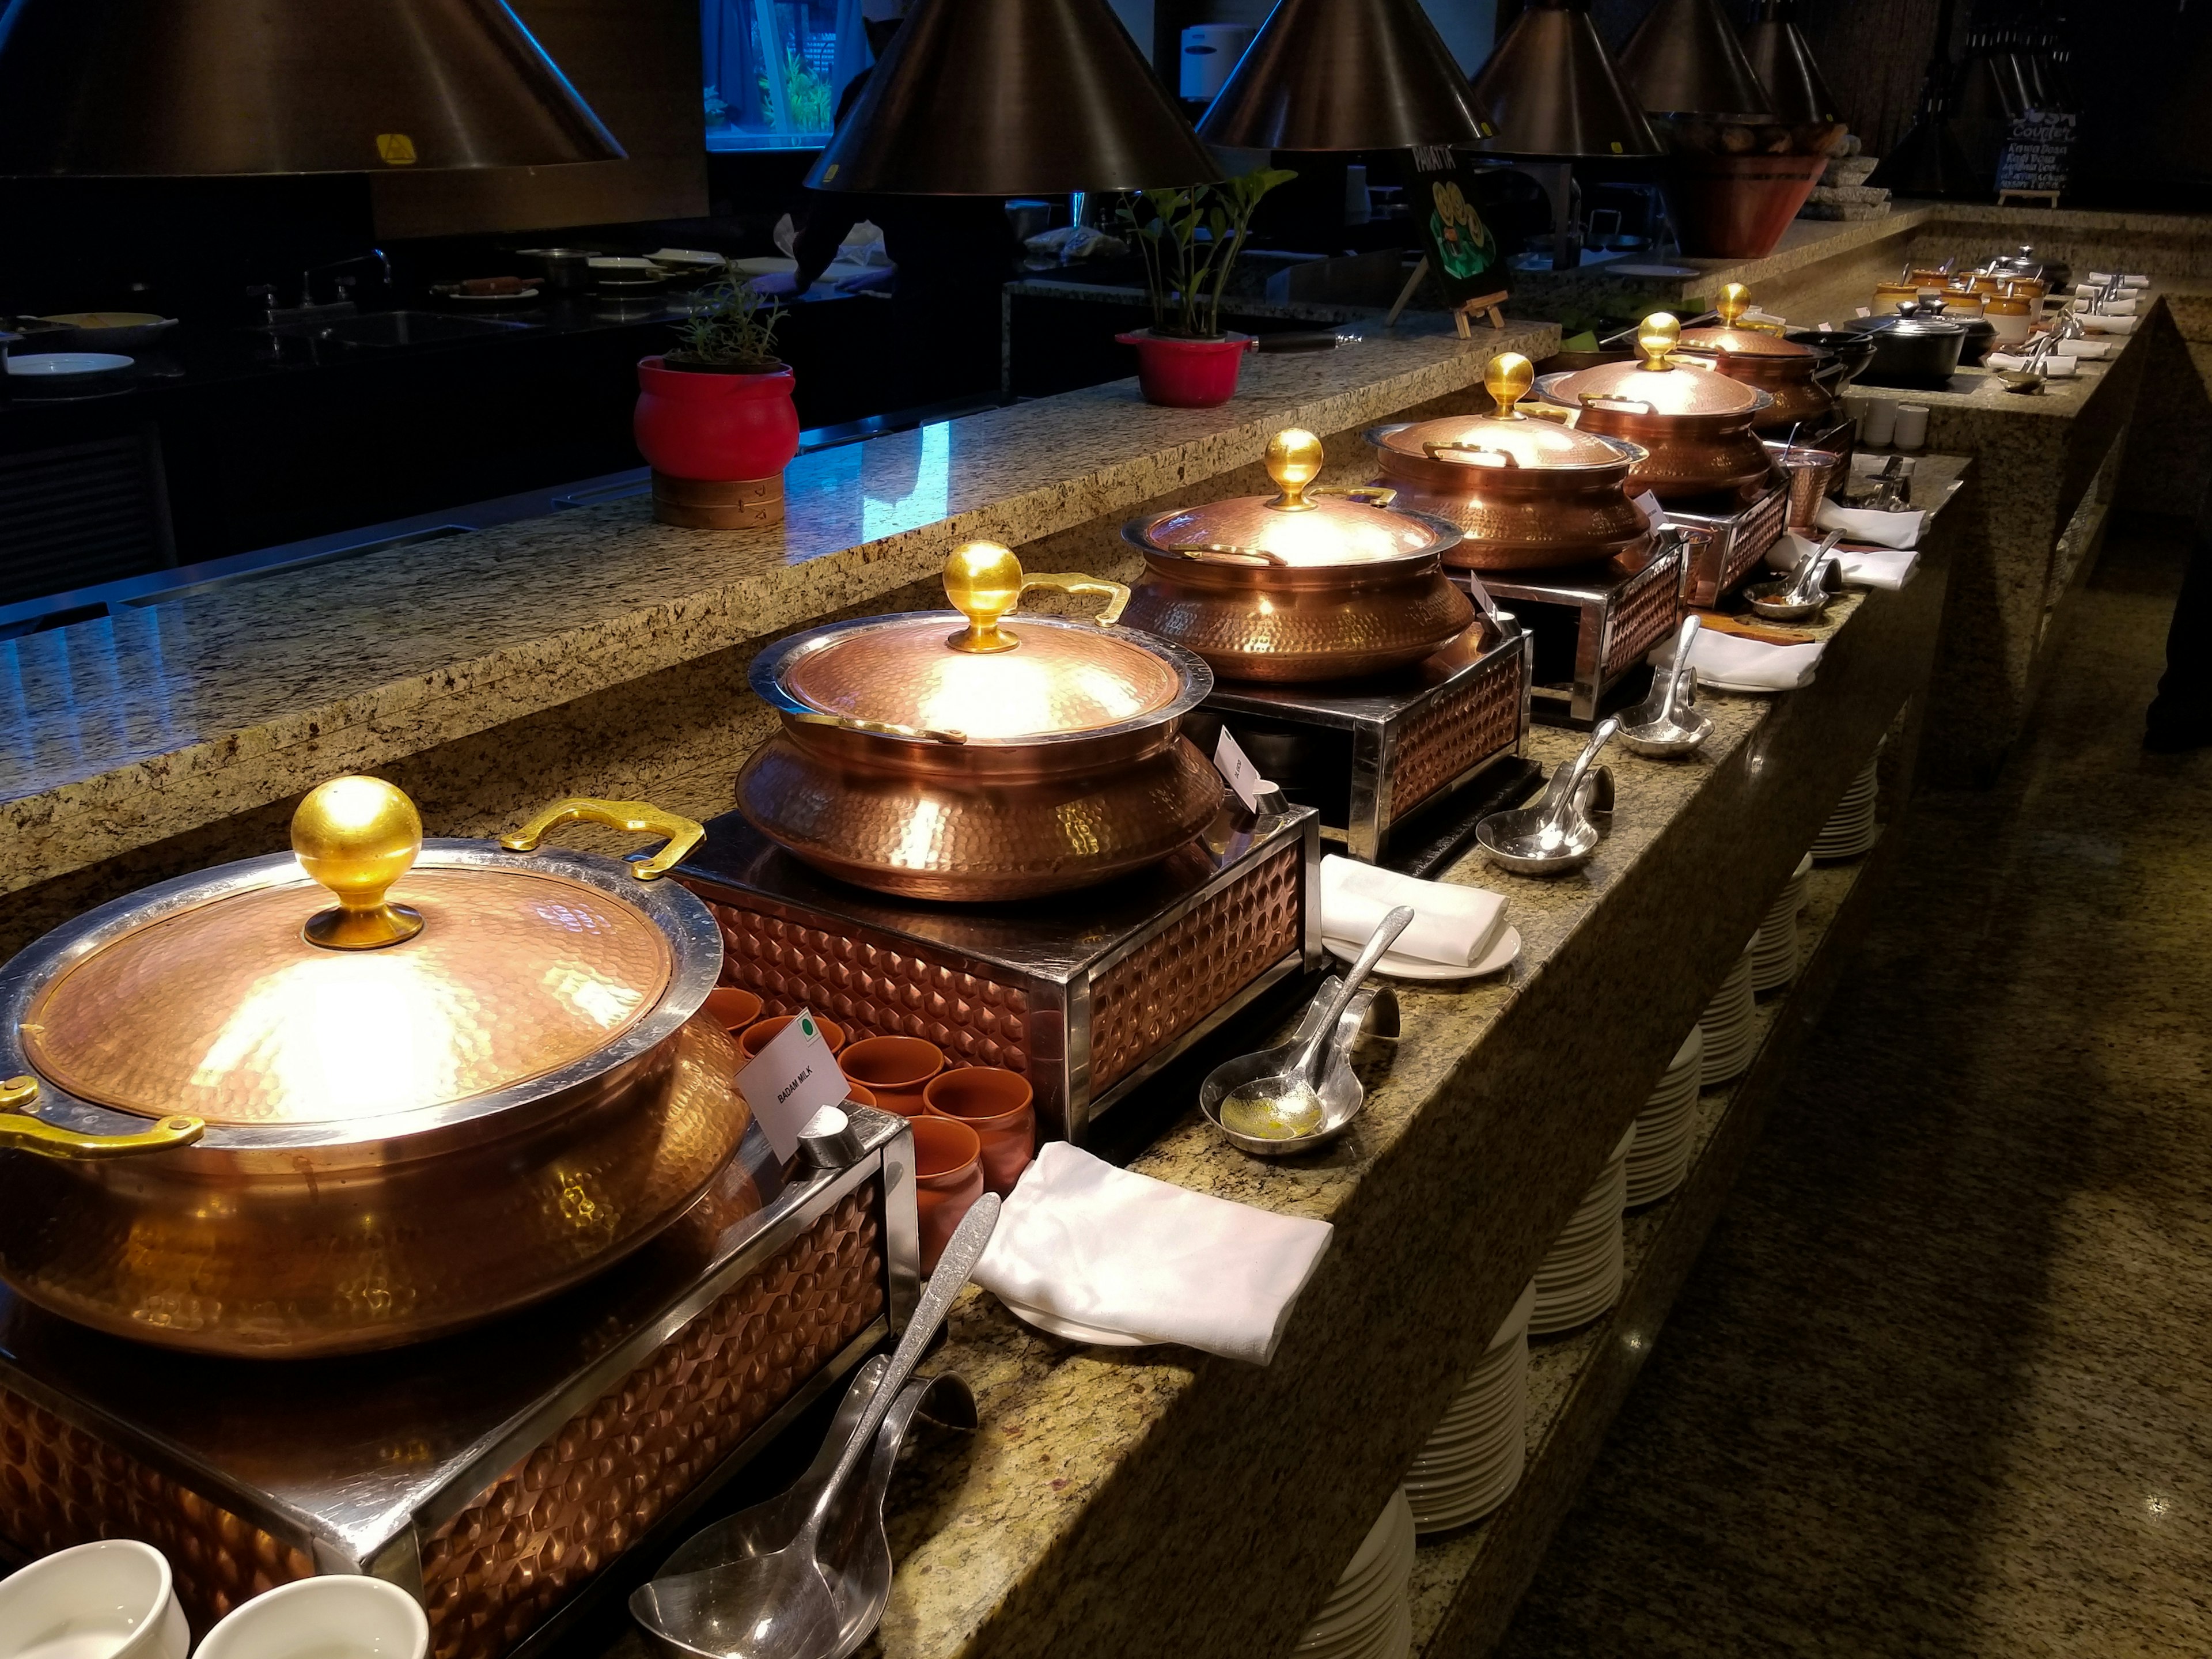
(1463, 251)
(2037, 152)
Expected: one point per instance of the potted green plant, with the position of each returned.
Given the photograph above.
(714, 415)
(1189, 240)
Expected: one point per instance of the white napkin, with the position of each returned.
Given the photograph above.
(2102, 325)
(1083, 1240)
(2060, 365)
(1732, 660)
(1452, 925)
(2090, 349)
(2099, 278)
(2112, 307)
(1866, 524)
(1862, 567)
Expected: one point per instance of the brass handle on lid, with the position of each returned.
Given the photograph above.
(884, 728)
(1293, 461)
(1659, 334)
(1507, 380)
(985, 581)
(1434, 450)
(1609, 399)
(639, 817)
(20, 1131)
(1735, 300)
(1372, 495)
(357, 837)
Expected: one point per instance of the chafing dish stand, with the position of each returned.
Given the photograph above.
(1735, 539)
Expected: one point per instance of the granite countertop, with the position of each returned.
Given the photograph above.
(121, 733)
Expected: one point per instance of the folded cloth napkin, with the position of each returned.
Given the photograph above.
(2099, 278)
(2125, 307)
(1866, 524)
(1730, 660)
(2088, 349)
(1082, 1241)
(2058, 364)
(2100, 324)
(1862, 567)
(1452, 925)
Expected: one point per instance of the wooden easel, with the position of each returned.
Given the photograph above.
(2048, 198)
(1486, 305)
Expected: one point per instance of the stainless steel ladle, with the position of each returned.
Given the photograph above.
(1667, 723)
(1814, 580)
(1342, 1094)
(1561, 832)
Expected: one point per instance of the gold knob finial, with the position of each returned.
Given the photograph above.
(1507, 380)
(1735, 300)
(1293, 462)
(983, 580)
(358, 835)
(1659, 335)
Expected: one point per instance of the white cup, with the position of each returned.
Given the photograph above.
(111, 1599)
(1912, 426)
(1879, 423)
(331, 1616)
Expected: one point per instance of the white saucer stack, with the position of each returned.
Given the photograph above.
(1850, 829)
(1659, 1149)
(1729, 1026)
(1472, 1460)
(1367, 1616)
(1774, 948)
(1580, 1279)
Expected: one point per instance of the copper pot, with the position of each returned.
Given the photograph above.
(944, 756)
(1309, 585)
(250, 1122)
(1787, 371)
(1527, 494)
(1693, 424)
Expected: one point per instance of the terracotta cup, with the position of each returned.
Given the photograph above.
(896, 1068)
(856, 1095)
(760, 1033)
(948, 1179)
(996, 1104)
(733, 1008)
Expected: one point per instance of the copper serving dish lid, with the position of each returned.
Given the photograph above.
(1508, 438)
(1661, 382)
(1736, 340)
(1300, 527)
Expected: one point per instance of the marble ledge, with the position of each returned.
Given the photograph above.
(118, 733)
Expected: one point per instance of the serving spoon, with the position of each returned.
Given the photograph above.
(1665, 723)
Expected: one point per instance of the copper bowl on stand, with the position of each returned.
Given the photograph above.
(1309, 586)
(1695, 426)
(1789, 373)
(941, 755)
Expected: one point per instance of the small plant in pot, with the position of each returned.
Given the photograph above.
(714, 415)
(1189, 240)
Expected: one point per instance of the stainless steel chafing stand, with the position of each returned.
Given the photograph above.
(1368, 754)
(500, 1474)
(1590, 625)
(1087, 993)
(1736, 538)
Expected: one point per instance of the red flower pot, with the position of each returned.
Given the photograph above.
(1188, 373)
(717, 444)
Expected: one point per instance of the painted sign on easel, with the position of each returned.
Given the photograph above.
(2038, 155)
(1460, 250)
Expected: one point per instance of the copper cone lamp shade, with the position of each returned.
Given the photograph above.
(1684, 59)
(210, 87)
(1796, 89)
(1344, 74)
(1549, 90)
(1009, 97)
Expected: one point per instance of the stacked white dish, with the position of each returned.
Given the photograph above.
(1729, 1026)
(1850, 829)
(1774, 947)
(1580, 1278)
(1472, 1460)
(1659, 1146)
(1367, 1615)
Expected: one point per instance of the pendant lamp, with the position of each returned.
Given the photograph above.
(1796, 89)
(1549, 90)
(1012, 98)
(1684, 60)
(1344, 74)
(1929, 161)
(167, 87)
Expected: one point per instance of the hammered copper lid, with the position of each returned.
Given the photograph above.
(1299, 525)
(985, 682)
(1669, 385)
(1511, 437)
(1738, 342)
(271, 1006)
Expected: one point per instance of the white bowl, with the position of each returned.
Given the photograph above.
(111, 1600)
(333, 1616)
(43, 364)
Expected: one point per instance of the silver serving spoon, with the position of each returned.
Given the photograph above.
(1560, 832)
(779, 1605)
(1284, 1101)
(1665, 723)
(1806, 591)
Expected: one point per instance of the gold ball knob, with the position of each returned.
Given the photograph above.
(1293, 461)
(1507, 380)
(356, 836)
(1656, 336)
(1735, 300)
(983, 580)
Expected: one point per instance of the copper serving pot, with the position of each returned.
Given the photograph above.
(1307, 585)
(250, 1122)
(944, 756)
(1525, 493)
(1693, 424)
(1786, 371)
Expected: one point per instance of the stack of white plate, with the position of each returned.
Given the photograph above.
(1850, 829)
(1729, 1026)
(1472, 1460)
(1659, 1151)
(1580, 1279)
(1774, 947)
(1367, 1615)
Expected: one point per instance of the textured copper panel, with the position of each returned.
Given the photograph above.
(60, 1486)
(874, 987)
(1476, 720)
(1646, 612)
(1760, 529)
(494, 1571)
(1143, 1002)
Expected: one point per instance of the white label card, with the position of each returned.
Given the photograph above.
(1237, 771)
(1863, 311)
(1648, 504)
(789, 1081)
